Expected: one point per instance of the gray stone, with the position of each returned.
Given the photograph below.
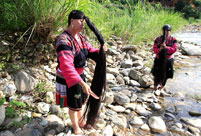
(107, 131)
(142, 111)
(196, 122)
(189, 49)
(136, 121)
(43, 107)
(24, 82)
(2, 114)
(121, 98)
(157, 124)
(127, 63)
(120, 80)
(6, 133)
(9, 89)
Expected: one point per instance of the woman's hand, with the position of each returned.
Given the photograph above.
(86, 89)
(163, 46)
(105, 47)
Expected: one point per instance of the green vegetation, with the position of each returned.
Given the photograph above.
(13, 106)
(190, 11)
(133, 21)
(40, 91)
(197, 97)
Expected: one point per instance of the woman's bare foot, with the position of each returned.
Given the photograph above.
(82, 124)
(88, 127)
(77, 130)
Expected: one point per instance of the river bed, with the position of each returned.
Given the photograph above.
(187, 81)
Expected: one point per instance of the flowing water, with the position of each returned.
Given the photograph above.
(187, 80)
(192, 37)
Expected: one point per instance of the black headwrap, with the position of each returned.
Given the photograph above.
(75, 14)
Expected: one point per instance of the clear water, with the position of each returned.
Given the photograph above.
(187, 80)
(189, 37)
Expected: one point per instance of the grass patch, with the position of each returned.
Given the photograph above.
(134, 22)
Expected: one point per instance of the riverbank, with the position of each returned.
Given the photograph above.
(128, 109)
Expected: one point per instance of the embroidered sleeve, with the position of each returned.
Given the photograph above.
(66, 61)
(156, 47)
(173, 48)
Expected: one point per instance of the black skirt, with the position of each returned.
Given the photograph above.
(169, 68)
(72, 97)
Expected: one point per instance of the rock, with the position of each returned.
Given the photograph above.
(24, 82)
(134, 83)
(101, 124)
(129, 47)
(179, 125)
(2, 114)
(109, 98)
(44, 122)
(50, 97)
(118, 108)
(119, 120)
(127, 64)
(134, 97)
(194, 130)
(142, 111)
(145, 127)
(134, 74)
(114, 71)
(6, 133)
(136, 121)
(121, 98)
(135, 57)
(55, 109)
(112, 52)
(138, 63)
(131, 106)
(9, 89)
(155, 106)
(36, 115)
(120, 80)
(28, 132)
(126, 92)
(189, 49)
(125, 72)
(43, 107)
(110, 77)
(55, 123)
(107, 131)
(196, 122)
(127, 80)
(157, 124)
(194, 113)
(178, 95)
(145, 81)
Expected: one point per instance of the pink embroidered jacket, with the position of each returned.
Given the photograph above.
(171, 46)
(72, 56)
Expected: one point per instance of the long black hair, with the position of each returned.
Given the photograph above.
(99, 79)
(161, 73)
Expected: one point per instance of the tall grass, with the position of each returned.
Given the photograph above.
(134, 22)
(43, 16)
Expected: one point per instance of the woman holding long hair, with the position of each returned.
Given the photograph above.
(73, 50)
(164, 48)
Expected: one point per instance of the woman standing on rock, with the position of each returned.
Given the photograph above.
(164, 48)
(73, 50)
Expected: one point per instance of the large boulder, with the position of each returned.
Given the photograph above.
(24, 82)
(2, 114)
(190, 49)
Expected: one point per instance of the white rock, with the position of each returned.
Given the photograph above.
(157, 124)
